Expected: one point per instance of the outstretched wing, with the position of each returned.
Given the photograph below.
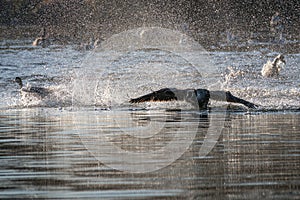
(164, 94)
(234, 99)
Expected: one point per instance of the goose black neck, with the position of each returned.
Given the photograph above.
(19, 81)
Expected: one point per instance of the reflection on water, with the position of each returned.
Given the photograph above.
(52, 153)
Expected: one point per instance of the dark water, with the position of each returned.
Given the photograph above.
(86, 142)
(256, 155)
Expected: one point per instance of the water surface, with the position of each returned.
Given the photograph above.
(86, 141)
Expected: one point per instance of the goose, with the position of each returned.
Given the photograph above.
(41, 40)
(197, 97)
(271, 69)
(36, 91)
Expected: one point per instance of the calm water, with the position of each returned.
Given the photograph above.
(86, 141)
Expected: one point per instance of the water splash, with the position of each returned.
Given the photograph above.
(245, 79)
(142, 60)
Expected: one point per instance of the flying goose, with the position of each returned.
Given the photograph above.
(198, 97)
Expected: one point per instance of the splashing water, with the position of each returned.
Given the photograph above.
(139, 61)
(245, 79)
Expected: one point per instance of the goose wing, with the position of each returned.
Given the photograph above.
(165, 94)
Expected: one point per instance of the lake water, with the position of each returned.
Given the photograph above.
(86, 141)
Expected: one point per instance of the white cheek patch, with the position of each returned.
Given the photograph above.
(280, 65)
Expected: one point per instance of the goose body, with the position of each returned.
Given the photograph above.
(37, 41)
(271, 69)
(197, 97)
(35, 91)
(40, 41)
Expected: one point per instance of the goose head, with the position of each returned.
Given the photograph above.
(19, 81)
(279, 62)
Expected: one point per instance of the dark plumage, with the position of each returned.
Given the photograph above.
(165, 94)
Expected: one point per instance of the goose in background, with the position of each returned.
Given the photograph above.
(42, 40)
(271, 69)
(37, 41)
(39, 92)
(197, 97)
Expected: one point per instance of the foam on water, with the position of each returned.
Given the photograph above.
(59, 97)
